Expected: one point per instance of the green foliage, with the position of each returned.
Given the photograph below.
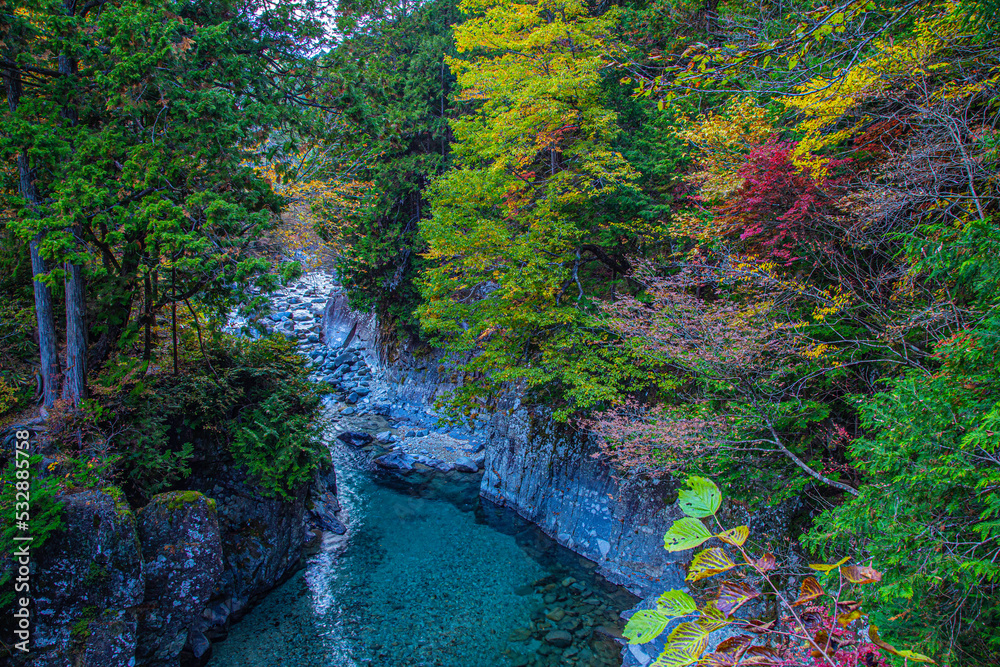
(251, 398)
(45, 516)
(17, 349)
(534, 223)
(395, 90)
(826, 632)
(931, 456)
(279, 447)
(141, 152)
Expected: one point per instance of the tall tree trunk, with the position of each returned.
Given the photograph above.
(173, 312)
(48, 355)
(147, 317)
(75, 382)
(119, 309)
(75, 385)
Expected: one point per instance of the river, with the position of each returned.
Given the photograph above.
(428, 574)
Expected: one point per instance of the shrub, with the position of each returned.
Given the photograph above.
(822, 626)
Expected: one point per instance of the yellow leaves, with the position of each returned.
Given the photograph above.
(826, 101)
(822, 567)
(722, 140)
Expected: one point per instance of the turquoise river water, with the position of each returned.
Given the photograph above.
(428, 574)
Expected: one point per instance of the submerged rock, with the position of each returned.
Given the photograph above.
(559, 638)
(354, 439)
(395, 461)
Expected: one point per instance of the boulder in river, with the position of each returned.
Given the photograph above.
(465, 464)
(354, 439)
(328, 523)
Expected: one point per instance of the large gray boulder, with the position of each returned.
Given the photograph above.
(182, 551)
(87, 583)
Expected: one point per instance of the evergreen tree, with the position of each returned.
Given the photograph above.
(134, 125)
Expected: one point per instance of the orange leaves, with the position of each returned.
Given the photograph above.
(810, 591)
(185, 44)
(861, 575)
(765, 563)
(733, 595)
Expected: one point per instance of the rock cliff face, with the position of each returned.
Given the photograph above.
(541, 469)
(88, 586)
(547, 472)
(120, 589)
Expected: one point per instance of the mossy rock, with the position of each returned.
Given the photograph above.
(183, 556)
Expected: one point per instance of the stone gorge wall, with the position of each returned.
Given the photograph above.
(546, 471)
(541, 469)
(154, 587)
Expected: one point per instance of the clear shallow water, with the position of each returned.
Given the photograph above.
(427, 574)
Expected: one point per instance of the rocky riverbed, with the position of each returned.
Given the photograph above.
(390, 442)
(362, 409)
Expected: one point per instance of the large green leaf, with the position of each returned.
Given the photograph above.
(686, 533)
(709, 562)
(676, 603)
(645, 626)
(702, 499)
(689, 639)
(671, 657)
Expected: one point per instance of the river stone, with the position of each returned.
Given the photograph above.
(351, 398)
(325, 522)
(556, 615)
(344, 359)
(465, 464)
(395, 461)
(354, 439)
(89, 575)
(559, 638)
(199, 643)
(384, 437)
(302, 316)
(182, 551)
